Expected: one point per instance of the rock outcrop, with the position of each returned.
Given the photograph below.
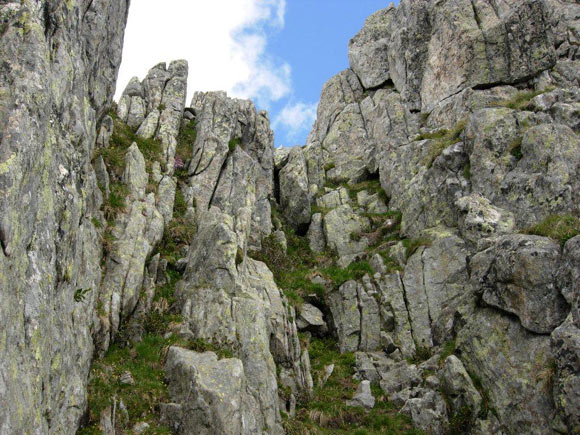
(428, 229)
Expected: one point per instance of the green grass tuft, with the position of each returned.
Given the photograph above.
(558, 227)
(521, 100)
(233, 143)
(441, 140)
(448, 350)
(411, 245)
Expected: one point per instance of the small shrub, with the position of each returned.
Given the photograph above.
(558, 227)
(97, 222)
(467, 171)
(186, 140)
(461, 422)
(115, 203)
(421, 354)
(80, 294)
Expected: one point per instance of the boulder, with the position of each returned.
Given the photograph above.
(363, 396)
(518, 275)
(209, 405)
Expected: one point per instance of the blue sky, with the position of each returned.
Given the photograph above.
(278, 53)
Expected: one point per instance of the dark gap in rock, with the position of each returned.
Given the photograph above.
(277, 185)
(302, 229)
(217, 183)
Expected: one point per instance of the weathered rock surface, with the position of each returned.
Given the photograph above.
(59, 65)
(237, 304)
(356, 317)
(513, 366)
(518, 275)
(294, 195)
(468, 113)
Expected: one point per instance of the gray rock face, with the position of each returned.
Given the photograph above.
(435, 286)
(565, 341)
(517, 275)
(458, 386)
(237, 304)
(294, 195)
(155, 106)
(514, 368)
(356, 317)
(315, 233)
(310, 317)
(392, 305)
(363, 396)
(429, 412)
(59, 66)
(368, 50)
(239, 181)
(341, 226)
(433, 50)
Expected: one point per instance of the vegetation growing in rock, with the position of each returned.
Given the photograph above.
(184, 148)
(521, 99)
(327, 413)
(559, 227)
(294, 271)
(233, 143)
(123, 137)
(440, 140)
(515, 148)
(411, 245)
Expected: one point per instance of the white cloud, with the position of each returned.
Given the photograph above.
(296, 118)
(223, 40)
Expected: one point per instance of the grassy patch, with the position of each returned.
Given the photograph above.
(353, 271)
(326, 412)
(372, 186)
(448, 350)
(144, 362)
(329, 166)
(411, 245)
(233, 143)
(185, 141)
(441, 140)
(122, 138)
(521, 100)
(559, 227)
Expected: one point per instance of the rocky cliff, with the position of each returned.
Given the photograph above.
(59, 66)
(413, 267)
